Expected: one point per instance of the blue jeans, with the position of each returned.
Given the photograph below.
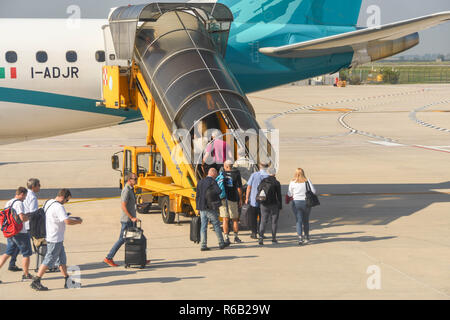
(21, 242)
(12, 262)
(214, 218)
(121, 240)
(301, 213)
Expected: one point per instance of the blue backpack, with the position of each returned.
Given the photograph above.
(221, 182)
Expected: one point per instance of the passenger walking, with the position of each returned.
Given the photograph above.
(297, 191)
(252, 190)
(232, 202)
(271, 206)
(208, 203)
(128, 217)
(56, 219)
(30, 205)
(21, 241)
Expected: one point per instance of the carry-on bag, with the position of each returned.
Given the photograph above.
(195, 229)
(135, 247)
(311, 199)
(244, 218)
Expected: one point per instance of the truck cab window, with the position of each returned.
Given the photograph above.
(127, 168)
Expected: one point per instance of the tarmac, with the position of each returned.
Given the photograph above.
(378, 156)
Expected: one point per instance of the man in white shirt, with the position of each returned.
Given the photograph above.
(31, 201)
(30, 205)
(21, 241)
(56, 219)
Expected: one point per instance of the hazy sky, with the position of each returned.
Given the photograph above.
(435, 40)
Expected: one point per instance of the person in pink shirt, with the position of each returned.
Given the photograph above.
(217, 152)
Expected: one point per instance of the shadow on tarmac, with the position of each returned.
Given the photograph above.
(116, 272)
(139, 281)
(155, 264)
(159, 263)
(368, 204)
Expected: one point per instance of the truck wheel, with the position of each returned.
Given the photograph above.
(143, 208)
(167, 216)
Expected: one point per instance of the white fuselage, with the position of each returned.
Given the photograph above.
(53, 97)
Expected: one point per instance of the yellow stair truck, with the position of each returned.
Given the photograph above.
(167, 60)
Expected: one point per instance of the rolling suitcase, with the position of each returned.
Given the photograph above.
(244, 218)
(41, 251)
(135, 247)
(195, 229)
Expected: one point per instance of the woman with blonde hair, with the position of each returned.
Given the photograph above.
(297, 191)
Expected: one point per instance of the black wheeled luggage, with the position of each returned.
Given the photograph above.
(41, 251)
(195, 229)
(135, 247)
(244, 217)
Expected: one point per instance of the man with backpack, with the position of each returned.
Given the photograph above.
(269, 196)
(208, 203)
(56, 219)
(30, 204)
(251, 193)
(13, 218)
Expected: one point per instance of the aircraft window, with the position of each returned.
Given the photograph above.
(41, 56)
(11, 56)
(71, 56)
(100, 56)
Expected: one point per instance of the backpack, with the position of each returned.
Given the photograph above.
(267, 192)
(10, 221)
(37, 222)
(213, 201)
(221, 183)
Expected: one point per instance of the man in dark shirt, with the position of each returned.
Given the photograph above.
(208, 203)
(232, 202)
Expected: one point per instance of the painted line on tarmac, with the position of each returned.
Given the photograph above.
(388, 144)
(269, 120)
(431, 148)
(413, 116)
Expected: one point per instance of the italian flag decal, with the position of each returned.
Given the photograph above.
(8, 73)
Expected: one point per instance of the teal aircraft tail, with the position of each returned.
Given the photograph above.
(312, 12)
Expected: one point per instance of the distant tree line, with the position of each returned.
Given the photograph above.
(425, 57)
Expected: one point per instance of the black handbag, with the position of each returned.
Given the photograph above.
(311, 199)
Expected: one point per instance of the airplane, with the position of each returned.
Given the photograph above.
(51, 69)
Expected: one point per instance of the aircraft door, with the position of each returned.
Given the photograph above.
(110, 52)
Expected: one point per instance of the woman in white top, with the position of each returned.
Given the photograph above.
(297, 191)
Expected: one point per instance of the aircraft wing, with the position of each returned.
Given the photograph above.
(360, 39)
